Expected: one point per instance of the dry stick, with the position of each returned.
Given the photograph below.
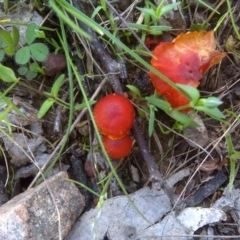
(154, 174)
(111, 66)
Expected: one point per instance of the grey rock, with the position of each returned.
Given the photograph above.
(33, 215)
(118, 217)
(21, 142)
(32, 169)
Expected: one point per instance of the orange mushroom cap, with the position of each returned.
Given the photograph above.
(184, 61)
(118, 148)
(114, 115)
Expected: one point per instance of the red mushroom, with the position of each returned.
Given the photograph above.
(118, 148)
(114, 116)
(184, 61)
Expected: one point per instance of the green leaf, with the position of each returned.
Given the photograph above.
(6, 36)
(34, 66)
(182, 118)
(151, 120)
(2, 55)
(7, 74)
(31, 33)
(220, 21)
(22, 70)
(159, 7)
(210, 102)
(81, 106)
(39, 51)
(3, 44)
(176, 115)
(157, 30)
(163, 131)
(22, 56)
(55, 44)
(160, 28)
(40, 34)
(199, 27)
(56, 86)
(191, 92)
(15, 36)
(153, 30)
(31, 74)
(9, 50)
(213, 112)
(45, 107)
(155, 33)
(139, 26)
(134, 90)
(165, 106)
(96, 11)
(148, 11)
(168, 8)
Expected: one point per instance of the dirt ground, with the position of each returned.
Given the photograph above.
(211, 166)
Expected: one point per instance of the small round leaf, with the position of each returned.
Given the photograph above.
(23, 70)
(22, 56)
(31, 75)
(39, 51)
(34, 66)
(31, 33)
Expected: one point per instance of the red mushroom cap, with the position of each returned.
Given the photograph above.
(118, 148)
(114, 115)
(184, 61)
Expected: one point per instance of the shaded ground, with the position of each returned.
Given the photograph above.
(82, 157)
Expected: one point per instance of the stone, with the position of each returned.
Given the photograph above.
(54, 64)
(42, 214)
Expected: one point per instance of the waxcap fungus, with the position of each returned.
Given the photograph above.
(118, 148)
(114, 115)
